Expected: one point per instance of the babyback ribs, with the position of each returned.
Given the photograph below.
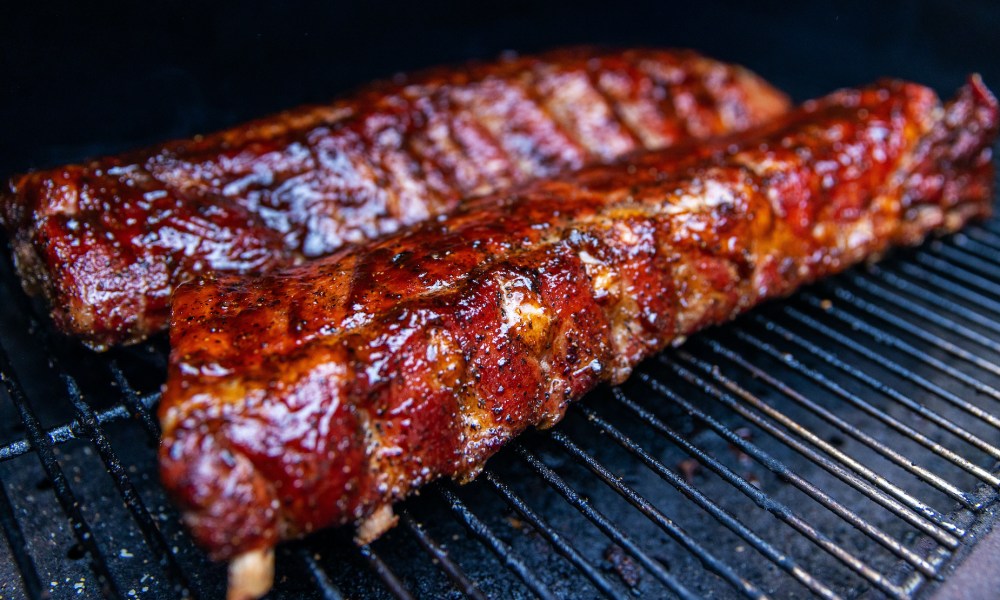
(320, 394)
(106, 242)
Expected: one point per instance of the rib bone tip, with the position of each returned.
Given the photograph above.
(251, 574)
(373, 527)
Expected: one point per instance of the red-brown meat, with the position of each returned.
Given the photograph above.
(105, 243)
(320, 394)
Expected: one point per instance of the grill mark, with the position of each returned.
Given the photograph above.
(420, 145)
(591, 72)
(616, 72)
(533, 95)
(404, 172)
(729, 98)
(696, 115)
(665, 104)
(510, 168)
(483, 134)
(533, 160)
(301, 224)
(537, 76)
(295, 237)
(269, 198)
(713, 98)
(600, 135)
(434, 202)
(455, 118)
(375, 158)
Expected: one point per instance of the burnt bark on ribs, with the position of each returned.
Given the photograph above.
(320, 394)
(106, 242)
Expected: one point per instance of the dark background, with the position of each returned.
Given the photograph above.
(83, 79)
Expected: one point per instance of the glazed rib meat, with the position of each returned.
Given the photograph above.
(106, 242)
(320, 394)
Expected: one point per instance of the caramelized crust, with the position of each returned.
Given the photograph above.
(320, 394)
(106, 242)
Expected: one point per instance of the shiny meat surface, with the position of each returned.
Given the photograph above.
(320, 394)
(106, 242)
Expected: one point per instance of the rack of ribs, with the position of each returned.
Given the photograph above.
(105, 243)
(320, 394)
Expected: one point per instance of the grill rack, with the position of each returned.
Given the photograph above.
(731, 447)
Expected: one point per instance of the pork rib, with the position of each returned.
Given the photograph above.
(106, 242)
(320, 394)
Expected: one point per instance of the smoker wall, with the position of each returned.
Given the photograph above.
(80, 79)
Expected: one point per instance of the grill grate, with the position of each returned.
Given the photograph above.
(844, 442)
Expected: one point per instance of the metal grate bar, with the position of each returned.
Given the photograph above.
(935, 298)
(977, 247)
(88, 424)
(883, 337)
(135, 404)
(71, 430)
(561, 545)
(968, 259)
(879, 386)
(386, 574)
(130, 496)
(926, 276)
(922, 312)
(813, 491)
(439, 554)
(857, 402)
(327, 589)
(896, 368)
(983, 236)
(776, 508)
(992, 224)
(958, 273)
(958, 246)
(852, 478)
(64, 494)
(19, 549)
(502, 550)
(666, 524)
(795, 479)
(779, 558)
(909, 327)
(603, 523)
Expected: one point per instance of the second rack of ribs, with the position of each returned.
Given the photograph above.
(106, 242)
